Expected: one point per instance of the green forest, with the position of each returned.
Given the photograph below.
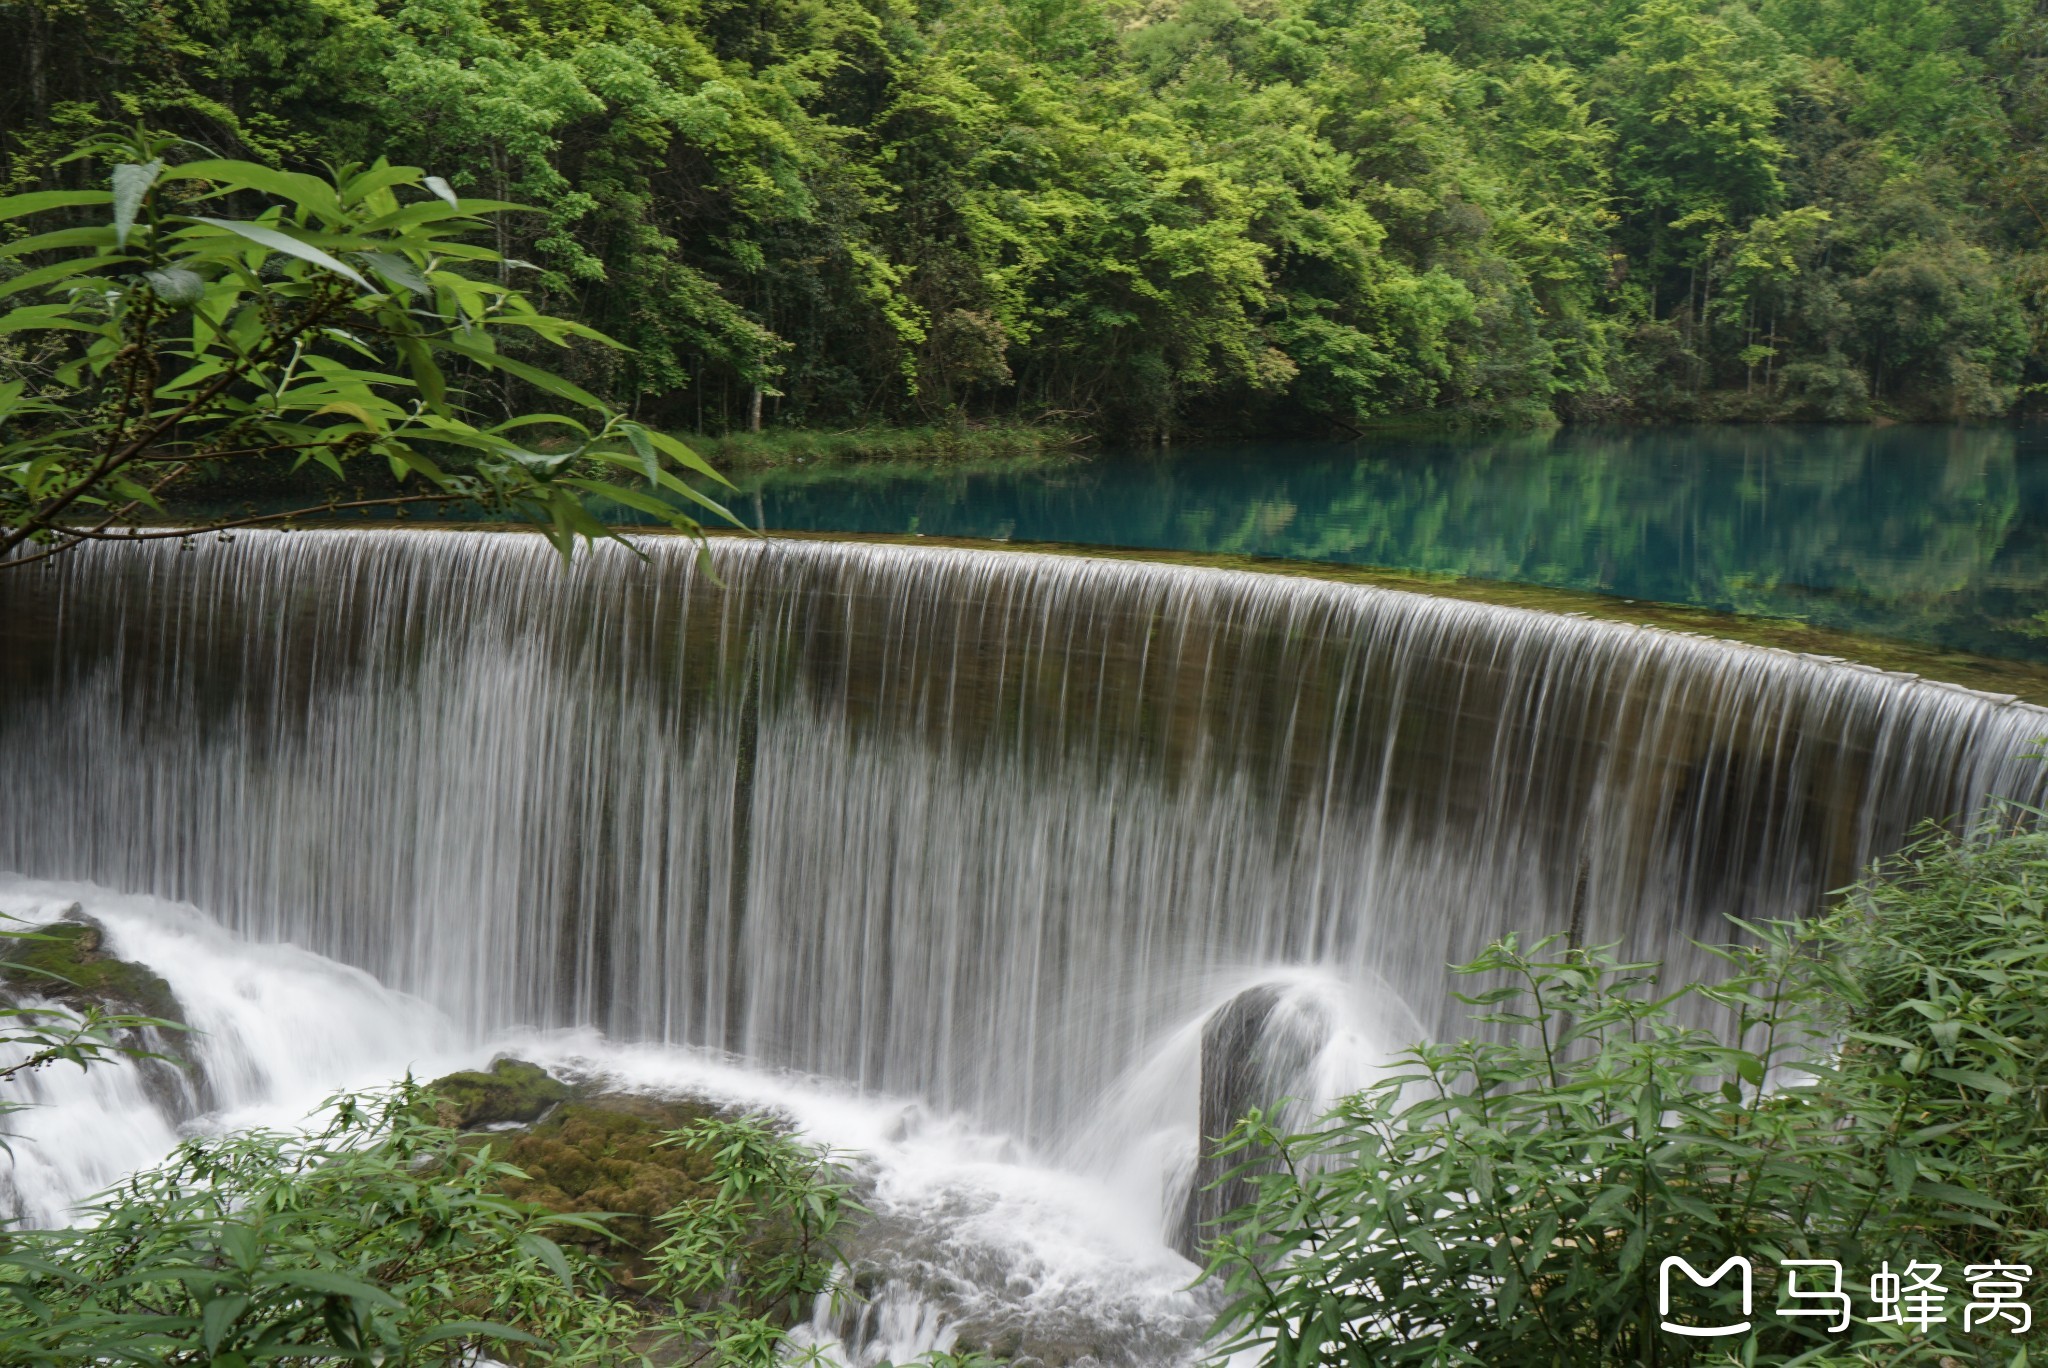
(1157, 217)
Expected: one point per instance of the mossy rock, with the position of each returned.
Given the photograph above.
(66, 962)
(601, 1154)
(511, 1091)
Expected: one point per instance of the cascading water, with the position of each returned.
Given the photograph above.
(988, 833)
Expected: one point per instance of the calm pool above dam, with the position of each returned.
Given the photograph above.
(1934, 535)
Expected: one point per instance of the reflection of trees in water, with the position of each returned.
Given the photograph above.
(1928, 534)
(1911, 533)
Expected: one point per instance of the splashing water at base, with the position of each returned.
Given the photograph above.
(974, 1240)
(274, 1030)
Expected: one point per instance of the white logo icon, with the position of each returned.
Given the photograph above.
(1700, 1280)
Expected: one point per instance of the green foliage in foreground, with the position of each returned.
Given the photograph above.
(383, 1238)
(1879, 1093)
(204, 315)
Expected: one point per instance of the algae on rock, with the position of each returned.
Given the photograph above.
(607, 1153)
(67, 962)
(510, 1092)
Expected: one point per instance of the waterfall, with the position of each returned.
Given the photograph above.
(979, 828)
(1014, 872)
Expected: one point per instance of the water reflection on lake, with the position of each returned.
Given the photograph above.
(1930, 534)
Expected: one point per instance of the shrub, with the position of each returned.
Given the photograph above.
(1876, 1098)
(337, 333)
(384, 1238)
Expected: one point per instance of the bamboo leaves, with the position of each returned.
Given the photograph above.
(304, 322)
(1877, 1093)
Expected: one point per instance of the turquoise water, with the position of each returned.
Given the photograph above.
(1936, 535)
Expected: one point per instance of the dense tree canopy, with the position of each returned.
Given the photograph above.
(1157, 215)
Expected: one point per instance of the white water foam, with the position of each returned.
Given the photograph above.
(974, 1240)
(274, 1030)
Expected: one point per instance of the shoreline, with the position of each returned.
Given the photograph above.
(778, 448)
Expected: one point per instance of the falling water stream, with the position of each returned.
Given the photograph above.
(959, 858)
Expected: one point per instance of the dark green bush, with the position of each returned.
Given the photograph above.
(386, 1238)
(1876, 1098)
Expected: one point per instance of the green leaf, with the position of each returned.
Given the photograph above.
(132, 182)
(424, 212)
(444, 190)
(34, 317)
(42, 201)
(489, 1330)
(548, 1252)
(433, 386)
(684, 456)
(532, 375)
(631, 498)
(219, 1317)
(1974, 1078)
(58, 270)
(636, 435)
(291, 246)
(333, 1285)
(397, 270)
(364, 184)
(307, 192)
(100, 235)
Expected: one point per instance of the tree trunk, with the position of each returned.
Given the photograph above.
(38, 88)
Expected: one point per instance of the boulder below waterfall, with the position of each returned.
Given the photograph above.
(510, 1092)
(582, 1149)
(1256, 1051)
(67, 962)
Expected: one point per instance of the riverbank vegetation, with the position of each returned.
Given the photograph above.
(1870, 1097)
(1142, 219)
(944, 444)
(387, 1237)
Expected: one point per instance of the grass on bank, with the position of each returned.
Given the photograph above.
(931, 445)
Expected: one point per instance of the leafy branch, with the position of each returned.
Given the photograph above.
(339, 326)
